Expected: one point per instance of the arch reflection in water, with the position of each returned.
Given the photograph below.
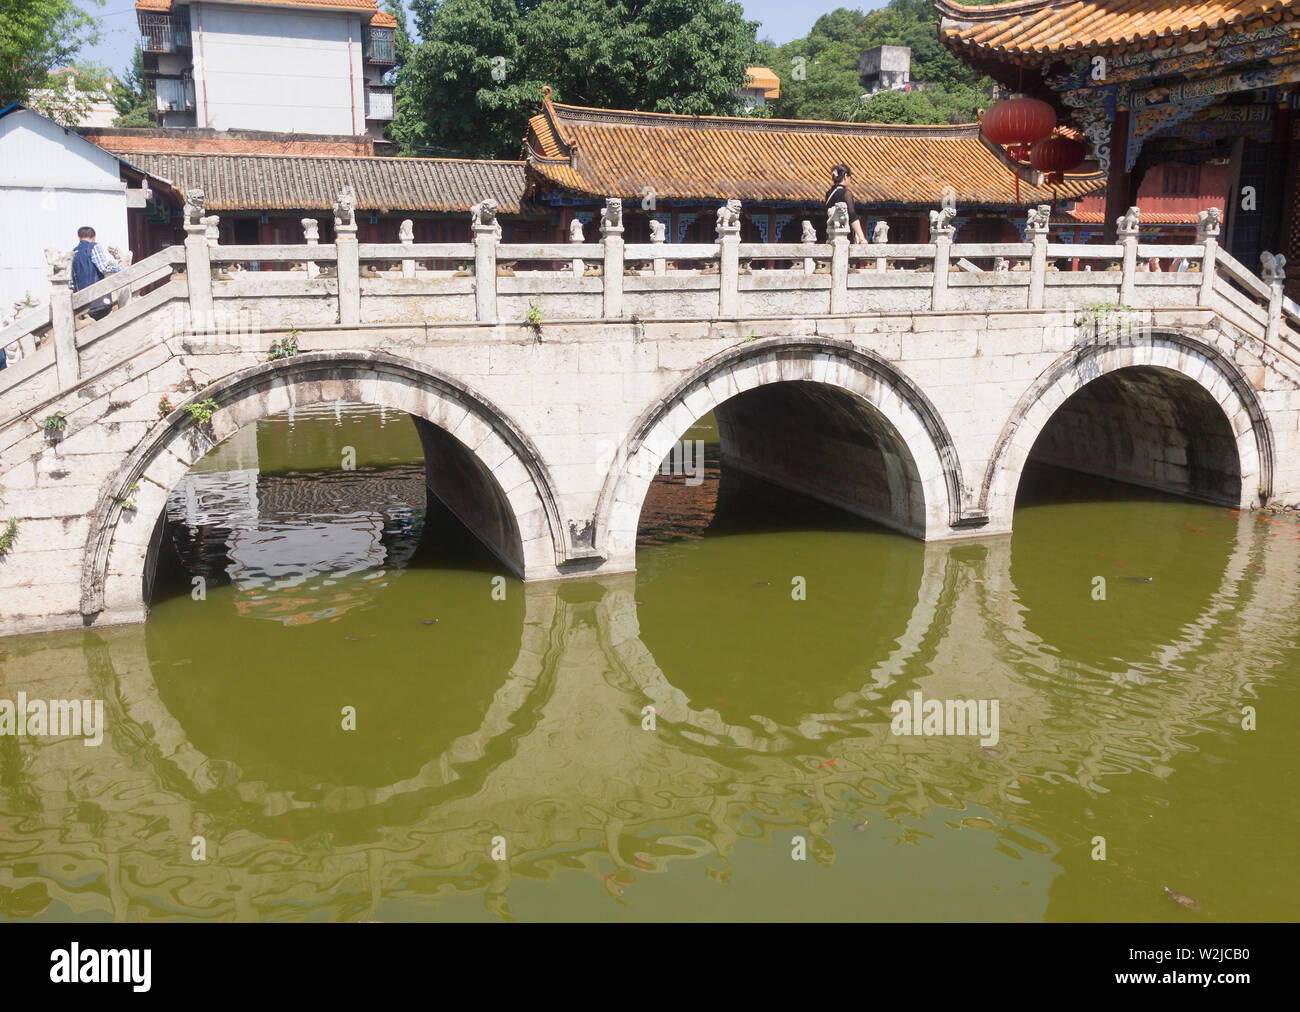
(522, 718)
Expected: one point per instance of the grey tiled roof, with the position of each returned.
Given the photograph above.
(237, 182)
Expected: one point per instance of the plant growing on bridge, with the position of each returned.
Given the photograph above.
(286, 347)
(128, 501)
(534, 318)
(164, 406)
(1100, 319)
(201, 412)
(54, 426)
(7, 536)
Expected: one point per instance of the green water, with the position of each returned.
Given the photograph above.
(515, 725)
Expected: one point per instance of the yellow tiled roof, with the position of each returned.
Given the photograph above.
(610, 153)
(1037, 29)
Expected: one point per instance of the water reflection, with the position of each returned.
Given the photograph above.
(523, 719)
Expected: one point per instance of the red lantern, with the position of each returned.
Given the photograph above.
(1055, 156)
(1019, 123)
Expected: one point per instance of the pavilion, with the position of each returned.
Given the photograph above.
(1150, 82)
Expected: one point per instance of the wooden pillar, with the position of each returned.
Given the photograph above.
(1281, 220)
(1117, 182)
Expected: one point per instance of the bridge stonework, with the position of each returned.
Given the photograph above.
(888, 392)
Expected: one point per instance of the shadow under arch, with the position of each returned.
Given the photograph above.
(1172, 354)
(905, 413)
(525, 516)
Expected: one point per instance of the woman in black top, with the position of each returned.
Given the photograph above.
(839, 194)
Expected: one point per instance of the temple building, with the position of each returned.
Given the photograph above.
(1206, 84)
(678, 169)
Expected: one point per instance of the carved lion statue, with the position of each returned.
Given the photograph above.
(195, 205)
(880, 234)
(575, 231)
(1274, 265)
(1208, 221)
(658, 231)
(60, 262)
(1039, 218)
(837, 220)
(612, 215)
(729, 215)
(807, 233)
(345, 208)
(406, 231)
(1129, 221)
(941, 220)
(310, 230)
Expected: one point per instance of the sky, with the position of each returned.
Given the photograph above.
(781, 20)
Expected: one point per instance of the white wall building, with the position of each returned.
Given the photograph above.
(293, 66)
(52, 181)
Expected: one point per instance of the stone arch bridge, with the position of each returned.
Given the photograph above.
(907, 383)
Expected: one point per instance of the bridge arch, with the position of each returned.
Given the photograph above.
(1184, 373)
(923, 469)
(497, 456)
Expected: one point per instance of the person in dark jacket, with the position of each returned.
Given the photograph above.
(839, 193)
(91, 263)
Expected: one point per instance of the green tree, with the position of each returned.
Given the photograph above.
(37, 37)
(819, 73)
(132, 95)
(477, 74)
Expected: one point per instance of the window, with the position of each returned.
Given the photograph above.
(379, 46)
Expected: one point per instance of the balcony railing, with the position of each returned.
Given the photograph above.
(174, 94)
(379, 46)
(379, 102)
(163, 33)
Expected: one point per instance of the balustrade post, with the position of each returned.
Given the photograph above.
(879, 237)
(1207, 234)
(611, 232)
(576, 236)
(808, 236)
(1038, 224)
(837, 231)
(406, 236)
(1127, 229)
(198, 275)
(657, 237)
(67, 366)
(348, 258)
(311, 236)
(729, 260)
(1274, 275)
(941, 233)
(487, 233)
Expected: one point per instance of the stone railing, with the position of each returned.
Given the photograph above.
(199, 289)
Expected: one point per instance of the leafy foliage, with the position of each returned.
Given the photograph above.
(828, 58)
(201, 412)
(36, 38)
(286, 347)
(471, 83)
(7, 536)
(132, 97)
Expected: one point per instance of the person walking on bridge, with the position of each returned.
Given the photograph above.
(91, 263)
(839, 193)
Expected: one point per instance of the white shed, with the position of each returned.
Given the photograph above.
(52, 181)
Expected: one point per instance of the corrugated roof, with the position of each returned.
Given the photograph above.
(1148, 217)
(1052, 28)
(604, 152)
(233, 182)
